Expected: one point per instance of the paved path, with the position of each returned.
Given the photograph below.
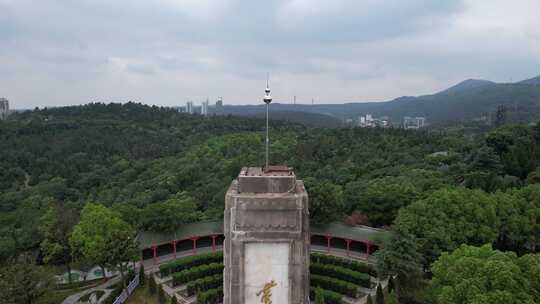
(74, 298)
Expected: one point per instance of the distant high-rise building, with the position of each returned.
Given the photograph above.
(413, 122)
(204, 108)
(219, 102)
(369, 121)
(4, 108)
(189, 107)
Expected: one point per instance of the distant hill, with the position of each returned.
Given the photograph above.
(468, 84)
(469, 99)
(534, 81)
(305, 118)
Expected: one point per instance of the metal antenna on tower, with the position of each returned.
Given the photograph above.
(267, 100)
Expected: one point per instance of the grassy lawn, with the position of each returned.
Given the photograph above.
(141, 296)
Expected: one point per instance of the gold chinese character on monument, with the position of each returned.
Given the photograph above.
(266, 292)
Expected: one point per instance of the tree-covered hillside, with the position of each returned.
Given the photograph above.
(138, 167)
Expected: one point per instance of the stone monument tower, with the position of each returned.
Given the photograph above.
(266, 249)
(266, 227)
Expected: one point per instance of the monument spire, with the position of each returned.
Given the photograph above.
(267, 99)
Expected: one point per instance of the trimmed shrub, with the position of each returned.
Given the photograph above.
(328, 296)
(204, 284)
(341, 273)
(319, 297)
(391, 298)
(161, 295)
(391, 284)
(142, 276)
(335, 285)
(379, 296)
(152, 285)
(369, 299)
(345, 263)
(189, 262)
(195, 273)
(211, 296)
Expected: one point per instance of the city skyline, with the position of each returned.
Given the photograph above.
(166, 52)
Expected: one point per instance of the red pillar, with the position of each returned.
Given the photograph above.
(214, 243)
(194, 239)
(348, 246)
(174, 248)
(328, 238)
(368, 247)
(154, 250)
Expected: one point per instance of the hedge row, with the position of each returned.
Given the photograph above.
(211, 296)
(188, 262)
(195, 273)
(341, 273)
(345, 263)
(335, 285)
(204, 284)
(329, 296)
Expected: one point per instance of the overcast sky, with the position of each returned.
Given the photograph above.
(165, 52)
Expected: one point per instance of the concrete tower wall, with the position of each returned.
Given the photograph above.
(266, 238)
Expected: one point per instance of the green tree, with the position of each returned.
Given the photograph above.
(534, 177)
(530, 268)
(174, 300)
(500, 116)
(325, 200)
(537, 133)
(519, 211)
(399, 256)
(384, 196)
(450, 217)
(121, 249)
(56, 227)
(379, 295)
(169, 215)
(97, 235)
(7, 244)
(24, 283)
(485, 159)
(481, 275)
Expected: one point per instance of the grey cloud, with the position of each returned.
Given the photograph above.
(354, 46)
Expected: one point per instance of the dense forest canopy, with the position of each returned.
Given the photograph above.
(155, 169)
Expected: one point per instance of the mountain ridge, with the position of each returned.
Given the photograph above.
(468, 84)
(469, 99)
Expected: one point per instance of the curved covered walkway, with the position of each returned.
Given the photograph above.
(358, 242)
